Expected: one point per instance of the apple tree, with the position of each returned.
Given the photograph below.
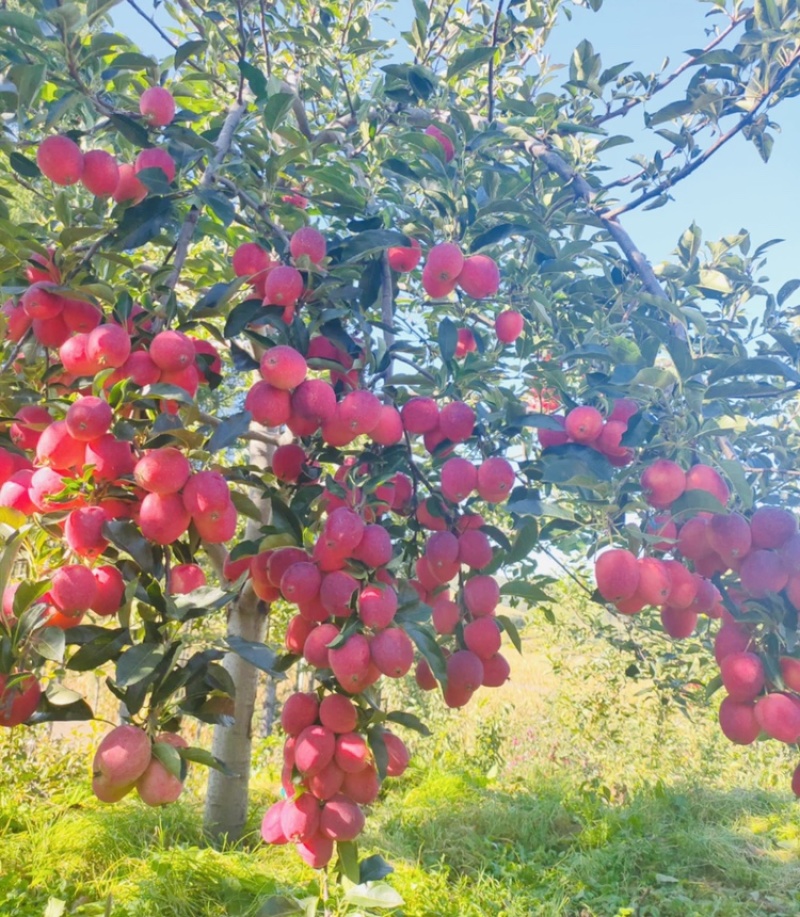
(318, 324)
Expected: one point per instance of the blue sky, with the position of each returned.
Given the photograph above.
(734, 190)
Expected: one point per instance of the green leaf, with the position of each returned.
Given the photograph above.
(713, 686)
(574, 464)
(669, 112)
(8, 558)
(9, 19)
(277, 108)
(533, 506)
(138, 663)
(246, 507)
(26, 167)
(364, 243)
(284, 520)
(409, 720)
(525, 590)
(526, 540)
(231, 429)
(59, 705)
(377, 895)
(256, 80)
(430, 649)
(374, 868)
(448, 338)
(692, 501)
(131, 130)
(280, 906)
(205, 758)
(511, 629)
(257, 654)
(347, 860)
(49, 643)
(472, 57)
(189, 49)
(97, 652)
(26, 595)
(220, 205)
(28, 80)
(379, 752)
(242, 315)
(124, 534)
(169, 757)
(141, 223)
(217, 296)
(755, 366)
(132, 60)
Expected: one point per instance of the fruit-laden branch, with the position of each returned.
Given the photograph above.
(222, 146)
(695, 164)
(689, 62)
(583, 190)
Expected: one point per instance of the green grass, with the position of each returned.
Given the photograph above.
(573, 796)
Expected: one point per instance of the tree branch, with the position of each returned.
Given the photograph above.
(583, 190)
(265, 36)
(134, 5)
(695, 164)
(387, 310)
(15, 351)
(222, 145)
(689, 62)
(490, 88)
(253, 204)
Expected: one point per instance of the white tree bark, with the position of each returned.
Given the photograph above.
(226, 803)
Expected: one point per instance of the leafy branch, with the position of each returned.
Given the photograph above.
(689, 62)
(695, 164)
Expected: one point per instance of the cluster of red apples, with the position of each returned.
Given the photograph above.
(586, 426)
(347, 598)
(127, 758)
(756, 562)
(64, 163)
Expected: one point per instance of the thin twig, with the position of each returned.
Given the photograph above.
(265, 36)
(695, 164)
(423, 372)
(9, 360)
(153, 23)
(446, 16)
(222, 145)
(242, 49)
(346, 89)
(632, 103)
(491, 60)
(253, 204)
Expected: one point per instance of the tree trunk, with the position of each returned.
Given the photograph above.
(226, 803)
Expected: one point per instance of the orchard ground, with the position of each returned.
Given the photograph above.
(573, 790)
